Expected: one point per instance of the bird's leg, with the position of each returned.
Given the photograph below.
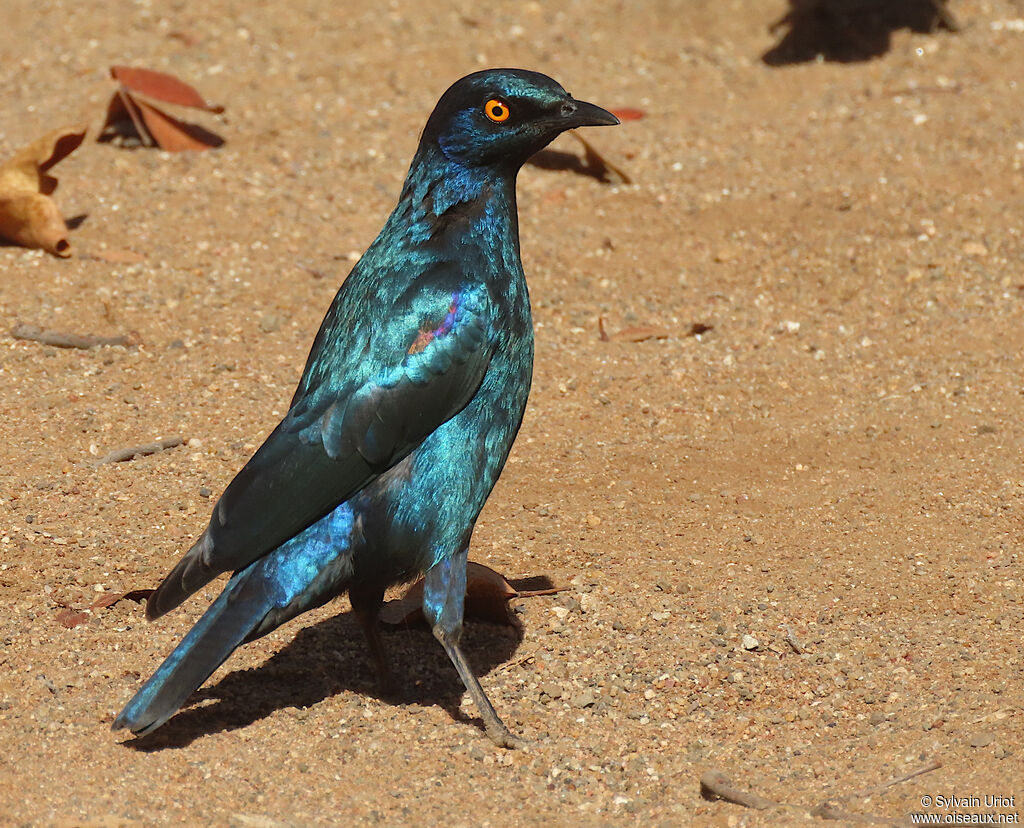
(366, 602)
(444, 594)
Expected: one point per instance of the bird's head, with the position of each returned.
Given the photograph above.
(500, 117)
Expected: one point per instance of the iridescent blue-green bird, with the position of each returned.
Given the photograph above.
(407, 408)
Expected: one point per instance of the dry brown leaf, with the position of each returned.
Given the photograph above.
(161, 87)
(129, 115)
(71, 617)
(27, 214)
(34, 221)
(487, 597)
(173, 135)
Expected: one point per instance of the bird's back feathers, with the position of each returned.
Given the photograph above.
(424, 367)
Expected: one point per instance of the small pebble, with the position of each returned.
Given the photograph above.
(584, 699)
(980, 740)
(553, 690)
(749, 642)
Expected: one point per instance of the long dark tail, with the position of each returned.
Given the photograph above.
(238, 611)
(190, 574)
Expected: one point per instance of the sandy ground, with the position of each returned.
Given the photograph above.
(833, 468)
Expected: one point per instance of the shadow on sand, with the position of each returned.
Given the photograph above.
(331, 657)
(848, 31)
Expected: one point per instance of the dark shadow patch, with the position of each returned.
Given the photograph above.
(848, 31)
(559, 161)
(532, 583)
(592, 165)
(329, 658)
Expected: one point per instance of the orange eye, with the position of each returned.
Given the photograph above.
(497, 110)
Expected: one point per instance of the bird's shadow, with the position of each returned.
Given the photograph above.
(331, 657)
(591, 165)
(560, 161)
(812, 30)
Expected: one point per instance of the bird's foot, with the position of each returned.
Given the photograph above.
(503, 737)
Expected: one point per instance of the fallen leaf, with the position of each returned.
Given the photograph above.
(129, 115)
(173, 135)
(628, 113)
(162, 87)
(27, 214)
(71, 617)
(487, 597)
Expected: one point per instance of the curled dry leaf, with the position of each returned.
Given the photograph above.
(129, 115)
(161, 87)
(487, 597)
(28, 216)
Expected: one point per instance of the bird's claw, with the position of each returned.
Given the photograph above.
(504, 738)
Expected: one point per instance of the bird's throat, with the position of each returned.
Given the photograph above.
(441, 195)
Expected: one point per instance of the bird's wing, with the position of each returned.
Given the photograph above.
(357, 413)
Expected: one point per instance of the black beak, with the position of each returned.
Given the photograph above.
(580, 113)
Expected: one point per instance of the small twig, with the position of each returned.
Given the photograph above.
(312, 271)
(59, 339)
(716, 785)
(1001, 713)
(906, 91)
(131, 452)
(534, 593)
(827, 810)
(935, 764)
(508, 665)
(636, 333)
